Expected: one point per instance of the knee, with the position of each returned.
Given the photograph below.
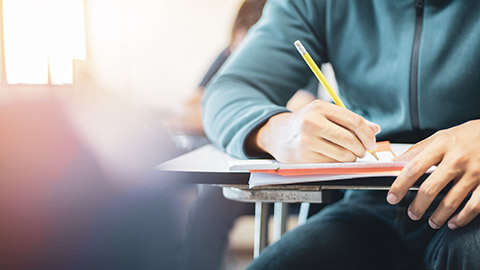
(455, 249)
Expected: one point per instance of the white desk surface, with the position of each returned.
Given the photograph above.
(208, 158)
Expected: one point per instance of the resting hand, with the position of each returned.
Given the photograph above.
(320, 132)
(456, 152)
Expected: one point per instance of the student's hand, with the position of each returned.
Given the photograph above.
(456, 152)
(320, 132)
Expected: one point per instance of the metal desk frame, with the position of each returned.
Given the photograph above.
(281, 196)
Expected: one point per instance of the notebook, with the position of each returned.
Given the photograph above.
(271, 172)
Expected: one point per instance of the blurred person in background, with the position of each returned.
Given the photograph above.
(212, 216)
(189, 117)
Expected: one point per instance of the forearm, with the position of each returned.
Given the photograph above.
(232, 111)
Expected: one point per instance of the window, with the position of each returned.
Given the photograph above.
(41, 39)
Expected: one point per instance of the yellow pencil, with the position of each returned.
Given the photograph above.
(318, 73)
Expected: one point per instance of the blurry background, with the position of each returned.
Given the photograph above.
(152, 51)
(166, 45)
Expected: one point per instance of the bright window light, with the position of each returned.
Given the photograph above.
(42, 34)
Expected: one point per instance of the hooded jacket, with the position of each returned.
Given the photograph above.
(411, 66)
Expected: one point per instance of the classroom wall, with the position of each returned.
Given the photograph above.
(155, 51)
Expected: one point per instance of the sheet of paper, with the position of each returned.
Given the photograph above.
(265, 179)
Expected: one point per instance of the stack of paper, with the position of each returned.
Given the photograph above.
(271, 172)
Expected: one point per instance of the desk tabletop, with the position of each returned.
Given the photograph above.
(205, 165)
(209, 165)
(207, 159)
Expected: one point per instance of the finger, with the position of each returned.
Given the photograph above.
(450, 203)
(355, 123)
(375, 128)
(414, 150)
(432, 155)
(314, 157)
(342, 137)
(468, 213)
(334, 151)
(430, 188)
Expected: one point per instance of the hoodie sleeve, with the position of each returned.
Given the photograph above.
(263, 73)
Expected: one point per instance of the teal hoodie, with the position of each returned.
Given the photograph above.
(413, 67)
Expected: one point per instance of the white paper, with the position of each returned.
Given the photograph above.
(265, 179)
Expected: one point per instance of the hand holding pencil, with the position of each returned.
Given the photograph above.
(318, 73)
(320, 132)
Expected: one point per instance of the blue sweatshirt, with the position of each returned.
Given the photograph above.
(411, 66)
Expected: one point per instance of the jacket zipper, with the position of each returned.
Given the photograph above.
(419, 4)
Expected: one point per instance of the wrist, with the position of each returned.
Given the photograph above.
(260, 140)
(269, 133)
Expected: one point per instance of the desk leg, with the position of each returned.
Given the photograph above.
(261, 228)
(303, 215)
(280, 212)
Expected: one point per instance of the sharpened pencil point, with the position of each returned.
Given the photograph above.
(374, 154)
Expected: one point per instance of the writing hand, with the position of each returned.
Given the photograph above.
(456, 152)
(320, 132)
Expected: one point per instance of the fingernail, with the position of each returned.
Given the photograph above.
(452, 226)
(392, 198)
(412, 215)
(433, 225)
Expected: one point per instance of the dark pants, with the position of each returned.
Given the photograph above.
(362, 231)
